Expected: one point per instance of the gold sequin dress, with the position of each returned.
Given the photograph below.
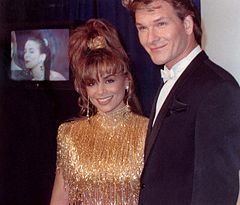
(101, 159)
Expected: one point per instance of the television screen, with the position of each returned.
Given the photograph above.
(39, 55)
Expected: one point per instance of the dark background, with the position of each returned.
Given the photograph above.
(30, 114)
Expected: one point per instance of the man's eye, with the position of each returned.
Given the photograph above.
(162, 23)
(141, 28)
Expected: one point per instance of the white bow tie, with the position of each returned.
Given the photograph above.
(167, 74)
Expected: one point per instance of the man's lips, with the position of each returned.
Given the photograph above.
(157, 48)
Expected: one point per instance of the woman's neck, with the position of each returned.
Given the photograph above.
(38, 72)
(115, 112)
(113, 119)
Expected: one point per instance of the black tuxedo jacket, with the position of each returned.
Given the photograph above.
(192, 153)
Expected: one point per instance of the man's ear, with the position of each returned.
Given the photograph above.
(188, 24)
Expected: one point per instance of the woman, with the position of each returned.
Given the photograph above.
(100, 157)
(37, 58)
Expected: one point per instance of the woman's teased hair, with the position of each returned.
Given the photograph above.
(94, 51)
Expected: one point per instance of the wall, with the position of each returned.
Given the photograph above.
(221, 23)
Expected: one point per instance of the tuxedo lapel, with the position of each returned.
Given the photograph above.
(153, 111)
(166, 107)
(153, 130)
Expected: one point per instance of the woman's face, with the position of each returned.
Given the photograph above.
(32, 55)
(107, 93)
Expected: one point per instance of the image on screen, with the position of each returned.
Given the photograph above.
(39, 55)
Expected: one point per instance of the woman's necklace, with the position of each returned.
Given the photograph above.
(113, 119)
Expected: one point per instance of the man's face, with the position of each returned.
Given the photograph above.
(163, 35)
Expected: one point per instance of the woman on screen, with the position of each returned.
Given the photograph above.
(37, 58)
(100, 157)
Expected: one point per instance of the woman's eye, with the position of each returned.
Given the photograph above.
(90, 84)
(110, 81)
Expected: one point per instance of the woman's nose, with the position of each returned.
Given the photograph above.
(100, 88)
(25, 56)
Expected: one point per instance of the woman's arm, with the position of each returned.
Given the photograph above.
(59, 193)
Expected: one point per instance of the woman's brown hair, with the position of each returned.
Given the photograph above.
(95, 50)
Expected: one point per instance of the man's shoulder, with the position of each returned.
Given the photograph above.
(211, 71)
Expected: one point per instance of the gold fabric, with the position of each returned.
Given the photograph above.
(102, 158)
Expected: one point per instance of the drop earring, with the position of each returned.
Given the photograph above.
(88, 108)
(41, 64)
(127, 92)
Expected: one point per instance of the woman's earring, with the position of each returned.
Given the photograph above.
(41, 64)
(127, 92)
(88, 108)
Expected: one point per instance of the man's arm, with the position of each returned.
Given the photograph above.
(217, 147)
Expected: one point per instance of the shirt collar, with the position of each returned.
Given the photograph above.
(180, 66)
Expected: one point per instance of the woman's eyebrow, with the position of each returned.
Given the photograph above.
(108, 76)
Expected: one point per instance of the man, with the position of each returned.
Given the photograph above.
(192, 151)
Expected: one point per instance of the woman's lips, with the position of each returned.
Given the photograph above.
(104, 101)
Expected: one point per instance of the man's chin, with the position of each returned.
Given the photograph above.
(157, 61)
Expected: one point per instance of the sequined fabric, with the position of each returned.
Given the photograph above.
(102, 158)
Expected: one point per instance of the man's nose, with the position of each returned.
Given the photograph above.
(153, 36)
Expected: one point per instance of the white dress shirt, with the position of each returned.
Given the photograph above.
(170, 77)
